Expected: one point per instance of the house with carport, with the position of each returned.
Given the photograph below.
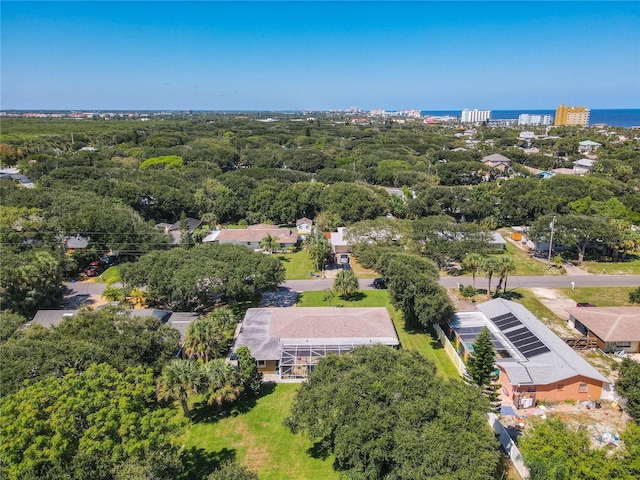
(613, 328)
(252, 236)
(533, 362)
(288, 342)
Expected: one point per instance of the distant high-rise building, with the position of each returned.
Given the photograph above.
(534, 119)
(475, 115)
(572, 116)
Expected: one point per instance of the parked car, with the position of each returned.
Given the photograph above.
(584, 304)
(380, 283)
(109, 260)
(344, 258)
(94, 269)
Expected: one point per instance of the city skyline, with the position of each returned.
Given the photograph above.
(319, 56)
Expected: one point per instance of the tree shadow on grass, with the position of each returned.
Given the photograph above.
(318, 451)
(355, 297)
(510, 295)
(205, 413)
(199, 463)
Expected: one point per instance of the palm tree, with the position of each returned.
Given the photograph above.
(473, 261)
(224, 383)
(269, 243)
(179, 379)
(506, 265)
(489, 266)
(204, 340)
(346, 283)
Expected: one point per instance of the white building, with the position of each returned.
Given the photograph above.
(534, 119)
(475, 115)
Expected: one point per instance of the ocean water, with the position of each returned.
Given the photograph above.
(614, 117)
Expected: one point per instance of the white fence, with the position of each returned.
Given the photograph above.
(505, 439)
(451, 351)
(508, 444)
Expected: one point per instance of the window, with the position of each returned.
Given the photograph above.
(560, 386)
(249, 243)
(623, 344)
(582, 387)
(262, 363)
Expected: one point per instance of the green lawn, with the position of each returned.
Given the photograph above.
(600, 296)
(256, 438)
(526, 297)
(630, 267)
(109, 276)
(298, 265)
(254, 434)
(424, 343)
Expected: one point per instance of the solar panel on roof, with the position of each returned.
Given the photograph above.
(508, 323)
(519, 336)
(538, 351)
(514, 333)
(503, 316)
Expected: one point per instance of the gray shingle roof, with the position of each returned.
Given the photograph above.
(263, 330)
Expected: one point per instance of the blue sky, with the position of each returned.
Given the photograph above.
(319, 55)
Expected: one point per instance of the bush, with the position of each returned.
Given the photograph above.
(634, 295)
(467, 290)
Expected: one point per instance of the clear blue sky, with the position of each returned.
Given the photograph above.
(308, 55)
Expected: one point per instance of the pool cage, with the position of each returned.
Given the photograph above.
(296, 361)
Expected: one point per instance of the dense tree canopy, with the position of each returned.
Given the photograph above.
(100, 421)
(384, 412)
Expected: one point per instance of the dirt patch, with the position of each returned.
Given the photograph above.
(604, 424)
(256, 454)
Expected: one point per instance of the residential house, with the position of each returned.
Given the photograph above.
(73, 243)
(497, 242)
(497, 161)
(289, 341)
(174, 229)
(613, 328)
(587, 146)
(582, 166)
(252, 236)
(304, 225)
(338, 242)
(534, 363)
(178, 320)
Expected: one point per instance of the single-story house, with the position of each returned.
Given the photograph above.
(339, 244)
(304, 225)
(582, 166)
(174, 229)
(178, 320)
(289, 341)
(613, 328)
(497, 161)
(587, 146)
(253, 235)
(76, 242)
(534, 363)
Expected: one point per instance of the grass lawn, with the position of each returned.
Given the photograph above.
(600, 296)
(298, 265)
(424, 343)
(109, 276)
(525, 265)
(256, 438)
(630, 267)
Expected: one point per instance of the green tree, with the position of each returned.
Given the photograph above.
(96, 421)
(383, 412)
(205, 339)
(179, 379)
(329, 295)
(628, 386)
(472, 262)
(490, 266)
(481, 366)
(269, 243)
(186, 239)
(318, 247)
(506, 265)
(634, 295)
(251, 376)
(346, 283)
(9, 323)
(222, 382)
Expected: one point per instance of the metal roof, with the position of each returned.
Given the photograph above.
(555, 363)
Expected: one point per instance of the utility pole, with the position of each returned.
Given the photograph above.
(552, 226)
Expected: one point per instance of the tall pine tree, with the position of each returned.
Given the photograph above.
(481, 367)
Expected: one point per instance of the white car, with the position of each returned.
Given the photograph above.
(344, 258)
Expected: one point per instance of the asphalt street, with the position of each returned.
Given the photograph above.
(81, 292)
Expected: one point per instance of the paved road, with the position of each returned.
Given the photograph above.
(512, 282)
(81, 292)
